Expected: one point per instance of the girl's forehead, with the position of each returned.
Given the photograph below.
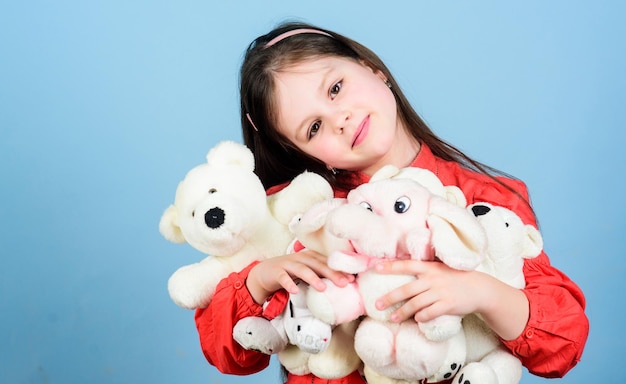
(316, 64)
(308, 66)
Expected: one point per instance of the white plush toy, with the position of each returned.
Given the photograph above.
(395, 217)
(509, 242)
(304, 343)
(222, 210)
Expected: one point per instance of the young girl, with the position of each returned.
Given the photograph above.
(312, 99)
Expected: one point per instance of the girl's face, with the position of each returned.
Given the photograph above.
(343, 113)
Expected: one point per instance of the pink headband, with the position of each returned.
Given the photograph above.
(283, 36)
(298, 31)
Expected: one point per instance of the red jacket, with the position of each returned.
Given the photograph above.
(550, 345)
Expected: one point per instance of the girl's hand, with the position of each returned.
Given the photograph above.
(438, 290)
(441, 290)
(275, 273)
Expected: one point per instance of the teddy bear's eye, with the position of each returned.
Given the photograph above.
(366, 205)
(402, 204)
(193, 213)
(506, 225)
(212, 190)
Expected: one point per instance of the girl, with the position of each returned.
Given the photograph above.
(312, 99)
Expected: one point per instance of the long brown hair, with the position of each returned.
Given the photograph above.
(277, 159)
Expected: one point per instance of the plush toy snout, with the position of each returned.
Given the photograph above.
(214, 217)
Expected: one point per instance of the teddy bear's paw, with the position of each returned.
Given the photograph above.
(258, 334)
(311, 335)
(188, 292)
(476, 373)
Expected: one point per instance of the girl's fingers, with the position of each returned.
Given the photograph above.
(317, 269)
(285, 281)
(420, 308)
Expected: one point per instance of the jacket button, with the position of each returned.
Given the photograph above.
(530, 333)
(238, 284)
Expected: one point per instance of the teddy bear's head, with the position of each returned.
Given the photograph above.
(509, 241)
(218, 203)
(221, 204)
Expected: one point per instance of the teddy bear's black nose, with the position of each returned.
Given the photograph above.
(214, 217)
(480, 210)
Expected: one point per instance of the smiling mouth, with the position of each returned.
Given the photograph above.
(361, 132)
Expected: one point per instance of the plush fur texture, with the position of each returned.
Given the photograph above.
(399, 218)
(509, 242)
(302, 341)
(221, 210)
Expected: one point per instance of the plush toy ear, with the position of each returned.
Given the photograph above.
(533, 242)
(168, 226)
(455, 195)
(457, 237)
(229, 153)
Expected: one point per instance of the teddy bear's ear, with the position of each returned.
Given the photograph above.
(228, 153)
(168, 226)
(533, 242)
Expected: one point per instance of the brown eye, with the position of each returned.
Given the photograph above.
(334, 90)
(314, 129)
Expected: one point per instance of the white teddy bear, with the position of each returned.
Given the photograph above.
(509, 242)
(222, 210)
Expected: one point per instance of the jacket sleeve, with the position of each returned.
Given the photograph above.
(231, 302)
(554, 337)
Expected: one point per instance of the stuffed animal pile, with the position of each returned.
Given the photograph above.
(221, 209)
(410, 352)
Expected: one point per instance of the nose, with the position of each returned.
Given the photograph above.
(340, 119)
(480, 210)
(214, 217)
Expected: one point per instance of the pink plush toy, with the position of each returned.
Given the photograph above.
(394, 216)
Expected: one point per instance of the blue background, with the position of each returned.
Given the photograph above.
(105, 105)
